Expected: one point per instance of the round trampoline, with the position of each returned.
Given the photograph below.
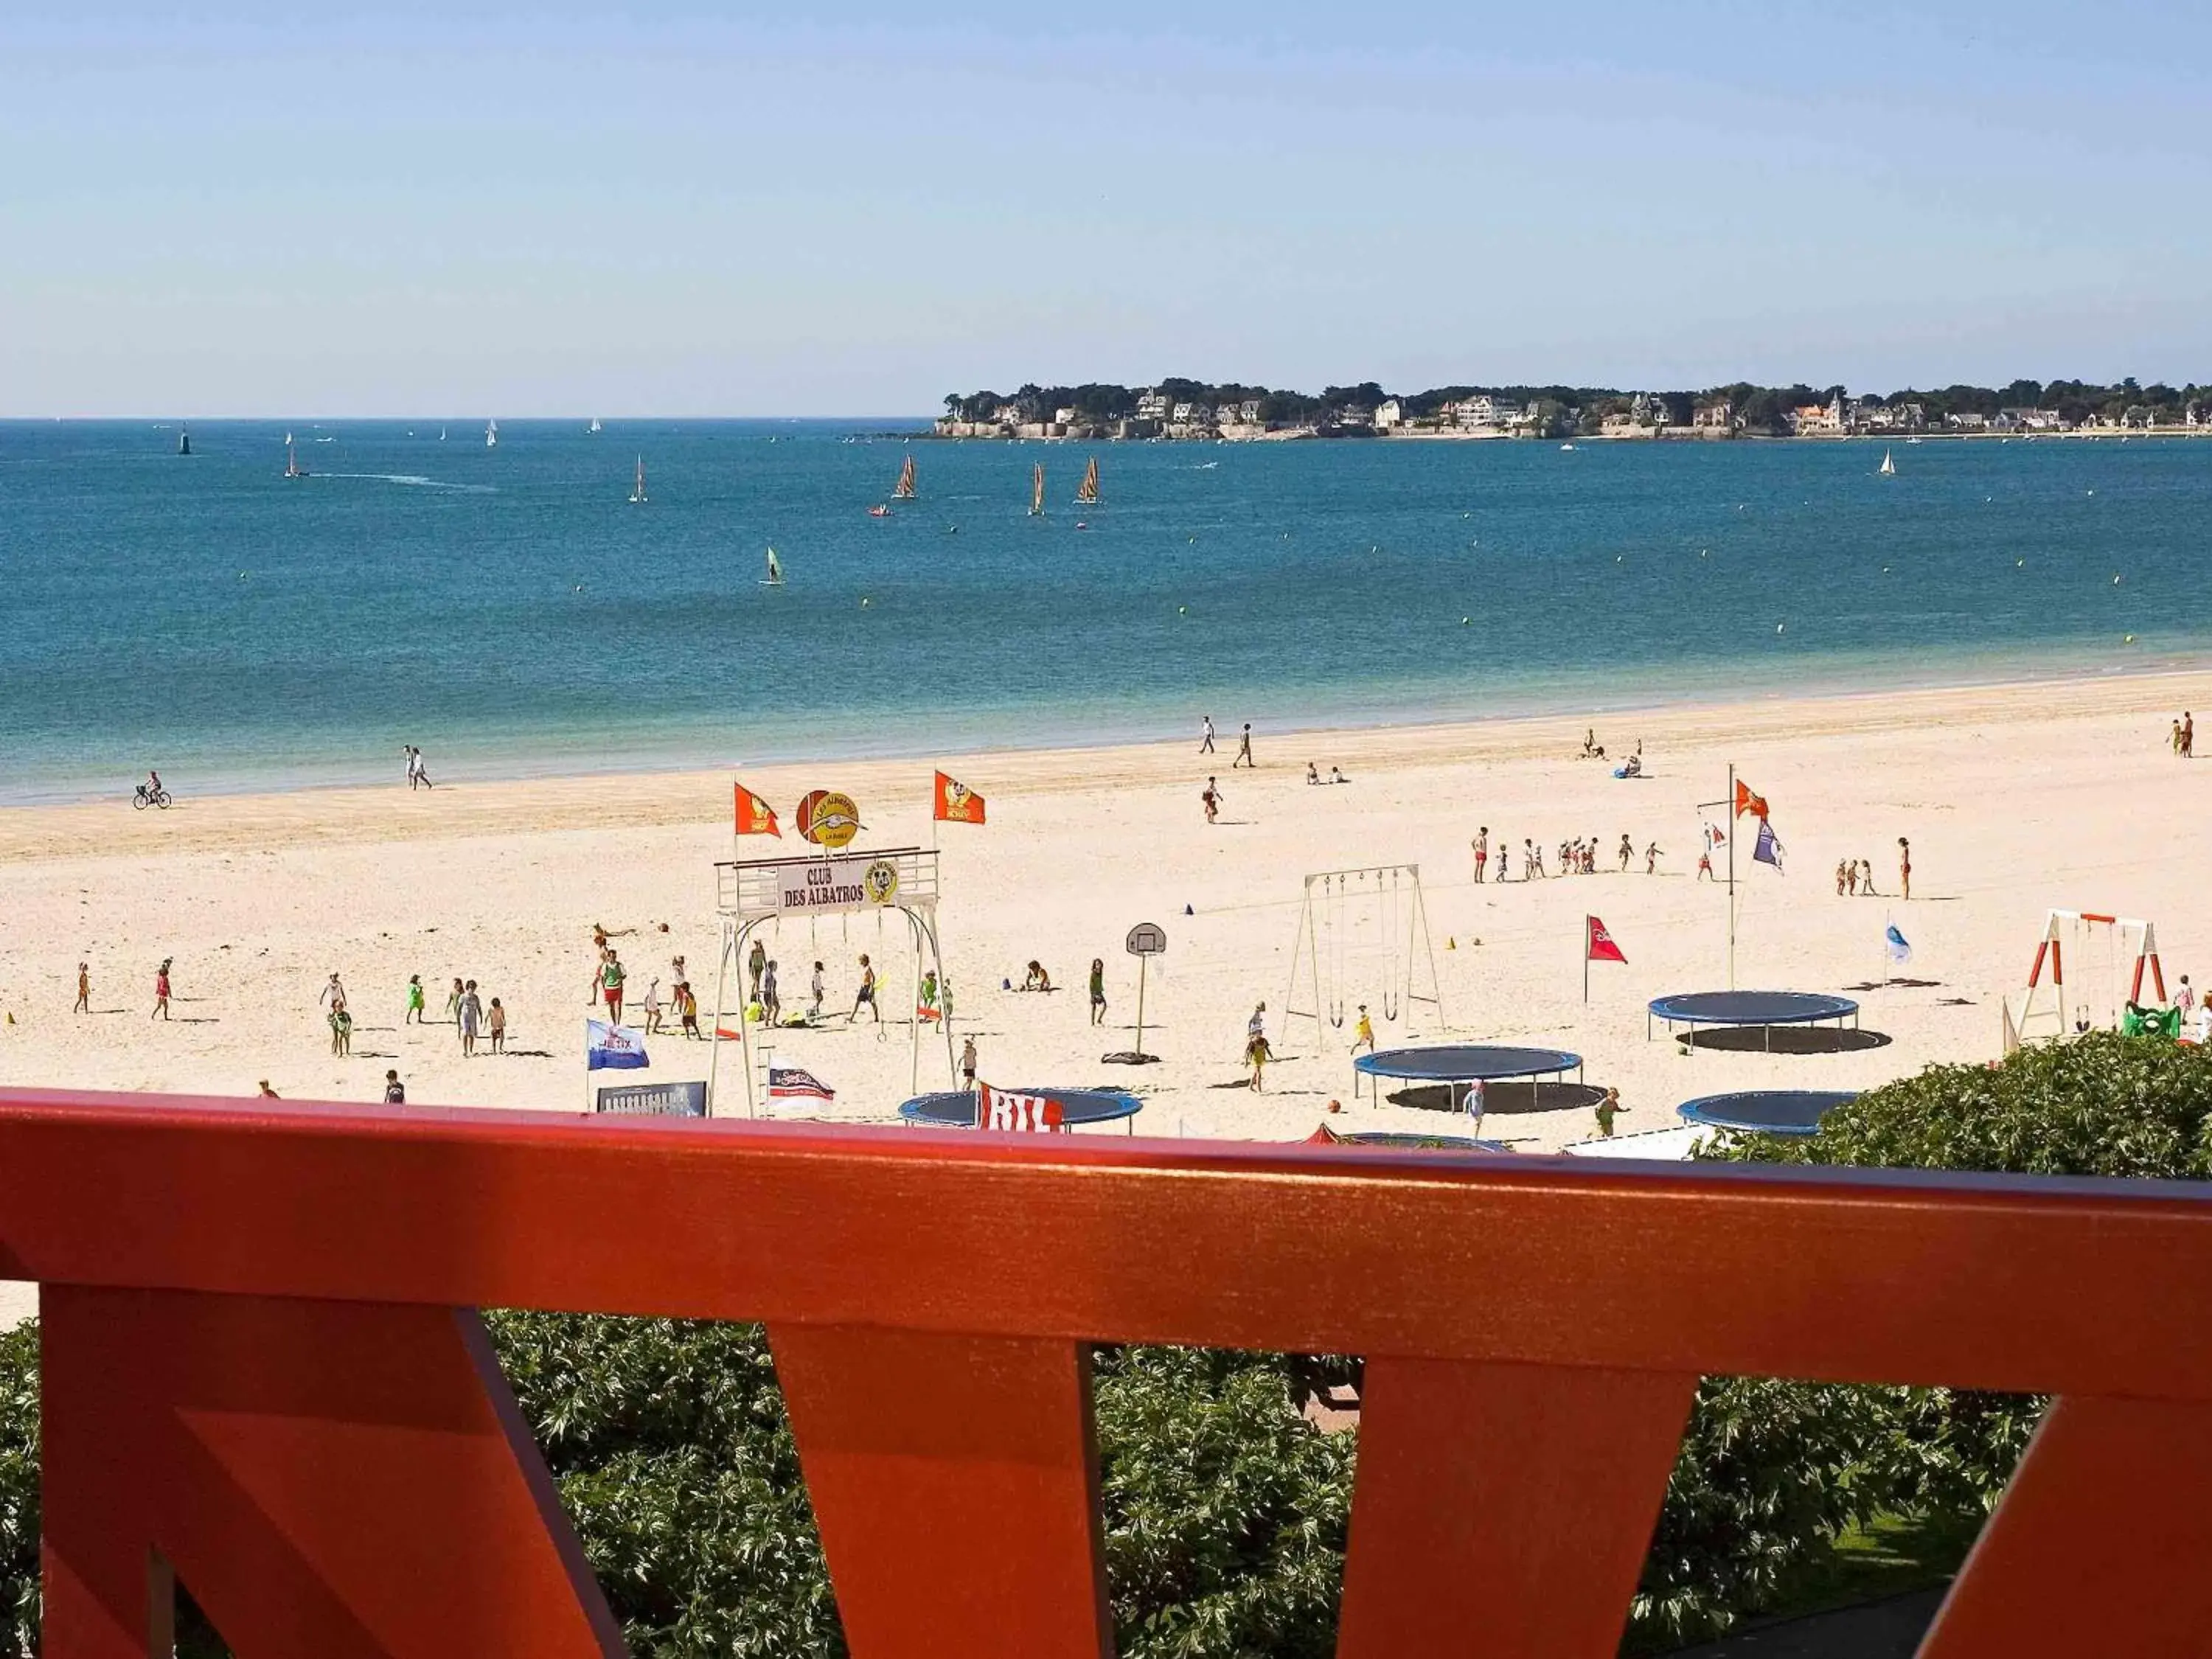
(1459, 1065)
(1434, 1142)
(956, 1109)
(1758, 1010)
(1766, 1111)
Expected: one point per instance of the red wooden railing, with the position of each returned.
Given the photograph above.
(261, 1367)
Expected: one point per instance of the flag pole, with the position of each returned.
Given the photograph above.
(1586, 956)
(1731, 812)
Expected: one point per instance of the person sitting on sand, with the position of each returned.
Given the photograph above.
(1335, 776)
(1313, 772)
(1036, 979)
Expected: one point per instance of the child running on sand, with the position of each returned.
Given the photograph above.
(162, 988)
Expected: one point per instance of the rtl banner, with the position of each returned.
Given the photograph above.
(998, 1109)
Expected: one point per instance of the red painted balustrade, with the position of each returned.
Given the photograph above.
(263, 1369)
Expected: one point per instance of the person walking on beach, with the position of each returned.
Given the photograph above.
(1866, 879)
(162, 988)
(687, 1008)
(472, 1019)
(341, 1032)
(407, 755)
(1627, 852)
(1363, 1032)
(83, 989)
(1097, 990)
(333, 996)
(1903, 867)
(395, 1091)
(815, 994)
(1211, 797)
(653, 1006)
(967, 1066)
(1651, 860)
(1482, 845)
(611, 980)
(1257, 1053)
(756, 965)
(1244, 751)
(2173, 738)
(865, 996)
(414, 1014)
(2188, 735)
(1843, 874)
(1206, 738)
(770, 998)
(498, 1018)
(453, 1004)
(1608, 1108)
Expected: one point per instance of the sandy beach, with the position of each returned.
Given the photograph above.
(2016, 799)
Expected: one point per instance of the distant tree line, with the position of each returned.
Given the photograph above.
(1757, 408)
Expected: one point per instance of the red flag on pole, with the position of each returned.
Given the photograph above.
(956, 802)
(1747, 802)
(1599, 946)
(754, 816)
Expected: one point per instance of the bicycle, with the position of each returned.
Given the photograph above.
(146, 798)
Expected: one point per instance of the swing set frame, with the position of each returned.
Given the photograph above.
(2047, 977)
(1323, 932)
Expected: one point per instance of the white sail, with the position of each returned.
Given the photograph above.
(595, 424)
(637, 494)
(1888, 466)
(774, 569)
(491, 435)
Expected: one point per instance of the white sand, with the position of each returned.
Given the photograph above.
(2016, 799)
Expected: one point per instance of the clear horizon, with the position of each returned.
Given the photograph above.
(541, 212)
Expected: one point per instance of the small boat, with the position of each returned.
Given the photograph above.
(775, 577)
(637, 491)
(1566, 449)
(183, 441)
(442, 434)
(1036, 490)
(594, 426)
(292, 467)
(1888, 468)
(904, 491)
(491, 435)
(1086, 493)
(879, 511)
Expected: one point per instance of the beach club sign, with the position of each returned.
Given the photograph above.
(858, 881)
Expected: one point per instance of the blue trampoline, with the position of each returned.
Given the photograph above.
(1435, 1143)
(1460, 1064)
(1766, 1111)
(1760, 1009)
(956, 1109)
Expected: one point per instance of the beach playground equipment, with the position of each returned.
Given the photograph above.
(802, 893)
(1474, 1067)
(1325, 1136)
(1363, 934)
(1761, 1011)
(1764, 1111)
(1055, 1110)
(2129, 947)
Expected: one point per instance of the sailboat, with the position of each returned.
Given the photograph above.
(292, 467)
(904, 492)
(1888, 468)
(1036, 490)
(637, 494)
(183, 441)
(594, 426)
(1086, 493)
(775, 577)
(491, 435)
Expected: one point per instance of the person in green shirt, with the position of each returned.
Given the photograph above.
(610, 982)
(414, 1013)
(1097, 990)
(1608, 1108)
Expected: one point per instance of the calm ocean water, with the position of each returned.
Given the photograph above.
(509, 612)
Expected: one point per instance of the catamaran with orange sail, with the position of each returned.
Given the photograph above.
(905, 492)
(1036, 490)
(1086, 494)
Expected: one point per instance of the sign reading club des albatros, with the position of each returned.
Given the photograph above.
(819, 886)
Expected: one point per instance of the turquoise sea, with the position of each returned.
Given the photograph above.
(509, 610)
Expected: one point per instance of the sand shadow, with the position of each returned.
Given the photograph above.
(1897, 985)
(526, 1053)
(1783, 1040)
(1501, 1099)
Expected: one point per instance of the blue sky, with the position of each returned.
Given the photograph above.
(213, 210)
